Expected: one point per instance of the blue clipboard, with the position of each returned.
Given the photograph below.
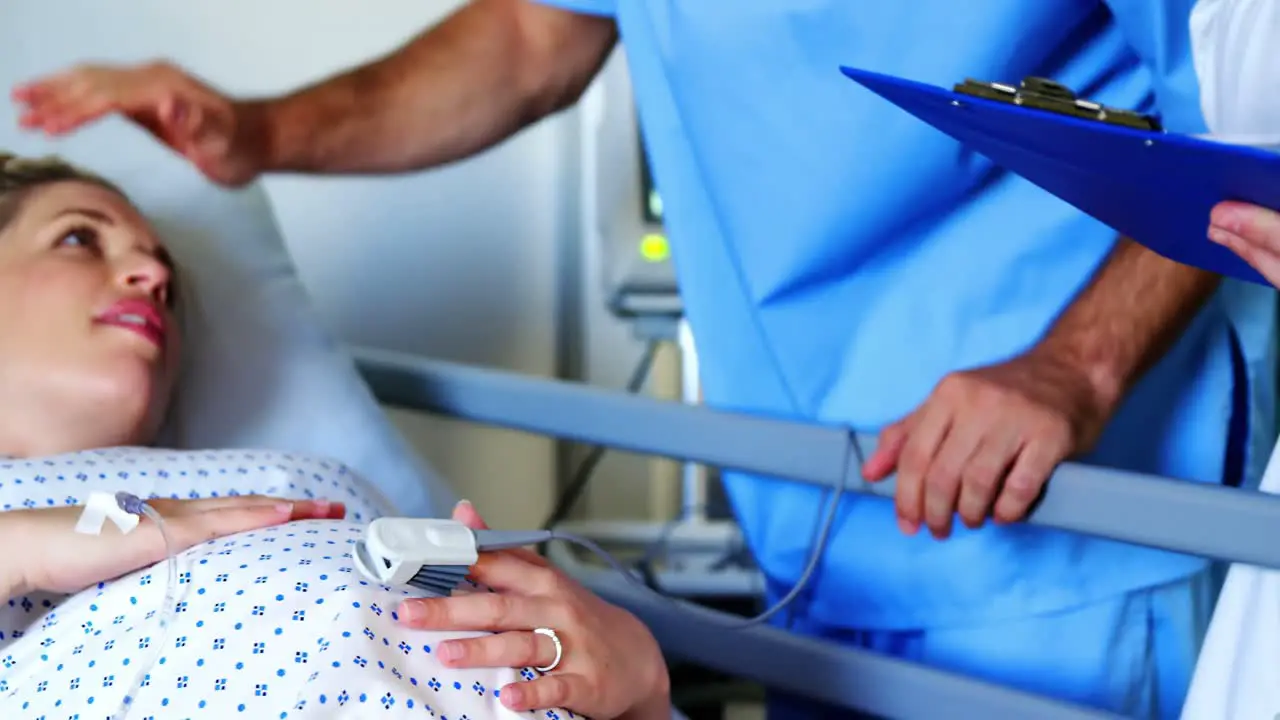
(1154, 187)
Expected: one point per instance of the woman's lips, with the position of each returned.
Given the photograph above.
(139, 316)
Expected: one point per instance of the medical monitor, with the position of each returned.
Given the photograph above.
(650, 200)
(638, 257)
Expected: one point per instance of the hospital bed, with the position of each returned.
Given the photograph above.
(264, 372)
(1216, 522)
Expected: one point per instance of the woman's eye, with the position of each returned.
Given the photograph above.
(79, 237)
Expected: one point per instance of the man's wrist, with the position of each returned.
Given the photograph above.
(259, 123)
(1104, 372)
(1133, 310)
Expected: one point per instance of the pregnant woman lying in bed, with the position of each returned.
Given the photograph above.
(270, 619)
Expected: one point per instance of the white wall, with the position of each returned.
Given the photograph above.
(485, 234)
(610, 213)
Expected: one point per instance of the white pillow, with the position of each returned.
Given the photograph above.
(262, 372)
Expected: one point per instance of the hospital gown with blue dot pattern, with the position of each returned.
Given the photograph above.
(273, 623)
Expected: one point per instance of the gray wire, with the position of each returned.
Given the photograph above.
(586, 469)
(487, 540)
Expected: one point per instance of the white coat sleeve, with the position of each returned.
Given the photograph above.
(1236, 50)
(1235, 677)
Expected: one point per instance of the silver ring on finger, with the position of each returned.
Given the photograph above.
(555, 640)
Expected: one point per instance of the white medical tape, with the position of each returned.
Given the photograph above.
(100, 507)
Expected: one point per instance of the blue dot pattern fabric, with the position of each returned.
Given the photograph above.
(274, 623)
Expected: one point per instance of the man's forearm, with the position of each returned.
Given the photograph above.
(470, 82)
(1129, 315)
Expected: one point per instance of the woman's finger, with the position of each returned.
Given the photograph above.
(169, 506)
(549, 691)
(513, 649)
(512, 572)
(466, 513)
(318, 510)
(300, 509)
(491, 611)
(191, 530)
(1259, 225)
(1250, 231)
(1264, 259)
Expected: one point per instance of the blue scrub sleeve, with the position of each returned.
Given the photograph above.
(1160, 33)
(586, 7)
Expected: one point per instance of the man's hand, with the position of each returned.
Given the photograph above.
(221, 137)
(987, 439)
(487, 71)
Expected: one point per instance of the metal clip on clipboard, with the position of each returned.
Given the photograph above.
(1044, 94)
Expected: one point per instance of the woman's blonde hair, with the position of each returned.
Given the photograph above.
(21, 175)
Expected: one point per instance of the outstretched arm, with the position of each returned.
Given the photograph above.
(44, 553)
(484, 73)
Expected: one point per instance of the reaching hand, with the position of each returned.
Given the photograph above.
(58, 559)
(221, 137)
(610, 665)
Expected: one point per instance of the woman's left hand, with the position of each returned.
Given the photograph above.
(610, 665)
(1251, 232)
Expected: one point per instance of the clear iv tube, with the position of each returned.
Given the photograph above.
(132, 504)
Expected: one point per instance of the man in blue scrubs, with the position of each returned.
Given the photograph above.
(841, 261)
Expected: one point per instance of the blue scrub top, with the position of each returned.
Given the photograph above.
(838, 257)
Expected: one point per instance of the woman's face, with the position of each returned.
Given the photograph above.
(88, 342)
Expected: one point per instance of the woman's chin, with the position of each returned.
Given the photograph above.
(127, 397)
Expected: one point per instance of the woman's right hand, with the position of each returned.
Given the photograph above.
(1250, 231)
(45, 553)
(612, 666)
(223, 138)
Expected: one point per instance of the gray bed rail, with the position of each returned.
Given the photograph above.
(1211, 521)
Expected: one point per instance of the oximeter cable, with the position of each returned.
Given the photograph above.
(811, 566)
(457, 548)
